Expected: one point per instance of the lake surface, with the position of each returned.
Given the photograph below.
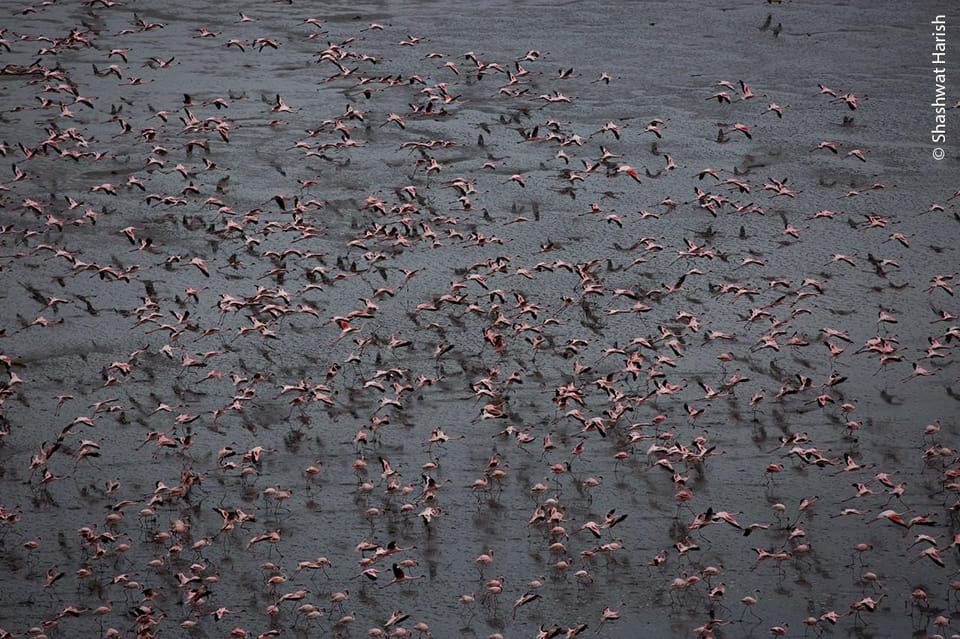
(282, 280)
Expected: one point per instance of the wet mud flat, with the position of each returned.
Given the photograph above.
(505, 318)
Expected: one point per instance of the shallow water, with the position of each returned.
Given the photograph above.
(263, 375)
